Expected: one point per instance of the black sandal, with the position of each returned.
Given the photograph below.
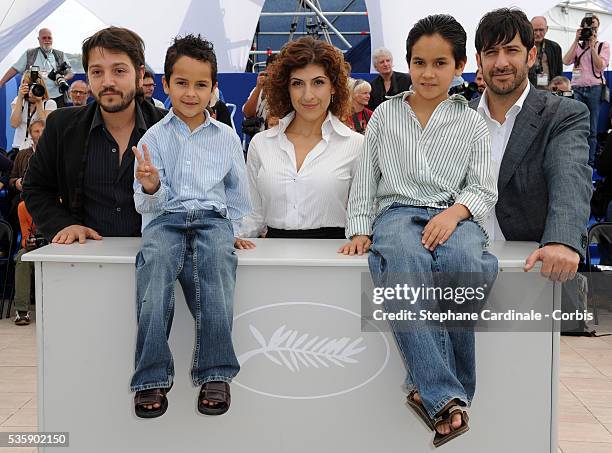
(214, 392)
(419, 410)
(447, 416)
(150, 397)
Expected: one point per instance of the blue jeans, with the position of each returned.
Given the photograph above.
(197, 248)
(591, 96)
(440, 362)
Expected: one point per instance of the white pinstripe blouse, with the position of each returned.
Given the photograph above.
(313, 197)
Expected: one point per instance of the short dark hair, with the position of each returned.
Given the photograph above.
(148, 75)
(194, 47)
(500, 26)
(444, 25)
(116, 39)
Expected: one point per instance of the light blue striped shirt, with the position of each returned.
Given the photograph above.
(448, 161)
(199, 169)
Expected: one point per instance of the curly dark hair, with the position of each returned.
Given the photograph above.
(296, 55)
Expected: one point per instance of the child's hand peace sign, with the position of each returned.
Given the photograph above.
(146, 173)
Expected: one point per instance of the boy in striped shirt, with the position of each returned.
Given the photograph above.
(190, 187)
(423, 190)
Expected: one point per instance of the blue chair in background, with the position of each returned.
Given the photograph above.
(6, 262)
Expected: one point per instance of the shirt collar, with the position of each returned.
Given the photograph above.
(98, 121)
(330, 125)
(483, 104)
(207, 121)
(455, 98)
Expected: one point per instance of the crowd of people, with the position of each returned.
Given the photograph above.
(420, 180)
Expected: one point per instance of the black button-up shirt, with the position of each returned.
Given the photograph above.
(108, 185)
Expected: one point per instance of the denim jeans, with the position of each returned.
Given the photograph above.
(197, 248)
(440, 362)
(591, 96)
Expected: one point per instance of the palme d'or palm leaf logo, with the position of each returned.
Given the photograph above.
(288, 348)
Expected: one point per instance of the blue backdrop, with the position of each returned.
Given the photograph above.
(234, 86)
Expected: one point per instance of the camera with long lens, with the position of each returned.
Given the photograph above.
(252, 125)
(586, 31)
(466, 89)
(59, 77)
(35, 86)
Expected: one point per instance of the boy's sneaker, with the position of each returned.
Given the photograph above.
(22, 318)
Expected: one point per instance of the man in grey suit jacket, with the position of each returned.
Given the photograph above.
(539, 148)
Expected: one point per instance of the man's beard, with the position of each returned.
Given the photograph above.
(520, 75)
(126, 100)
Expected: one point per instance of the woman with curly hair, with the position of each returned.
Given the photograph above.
(300, 171)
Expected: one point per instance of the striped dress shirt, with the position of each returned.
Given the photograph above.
(202, 169)
(446, 162)
(313, 197)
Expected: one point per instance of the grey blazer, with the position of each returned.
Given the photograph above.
(544, 181)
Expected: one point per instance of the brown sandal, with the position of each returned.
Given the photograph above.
(419, 409)
(150, 397)
(214, 392)
(446, 416)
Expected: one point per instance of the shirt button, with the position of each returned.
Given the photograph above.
(114, 150)
(118, 209)
(187, 163)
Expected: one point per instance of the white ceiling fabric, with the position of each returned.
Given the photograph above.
(390, 21)
(229, 24)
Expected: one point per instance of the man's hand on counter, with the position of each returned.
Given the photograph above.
(559, 262)
(74, 233)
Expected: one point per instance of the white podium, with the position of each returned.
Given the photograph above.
(284, 400)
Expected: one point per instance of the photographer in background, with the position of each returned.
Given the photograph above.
(561, 86)
(54, 69)
(22, 159)
(480, 82)
(148, 87)
(255, 109)
(548, 64)
(17, 173)
(78, 93)
(32, 103)
(388, 82)
(24, 270)
(360, 114)
(590, 58)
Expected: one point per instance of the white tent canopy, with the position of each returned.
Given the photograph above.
(229, 24)
(391, 20)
